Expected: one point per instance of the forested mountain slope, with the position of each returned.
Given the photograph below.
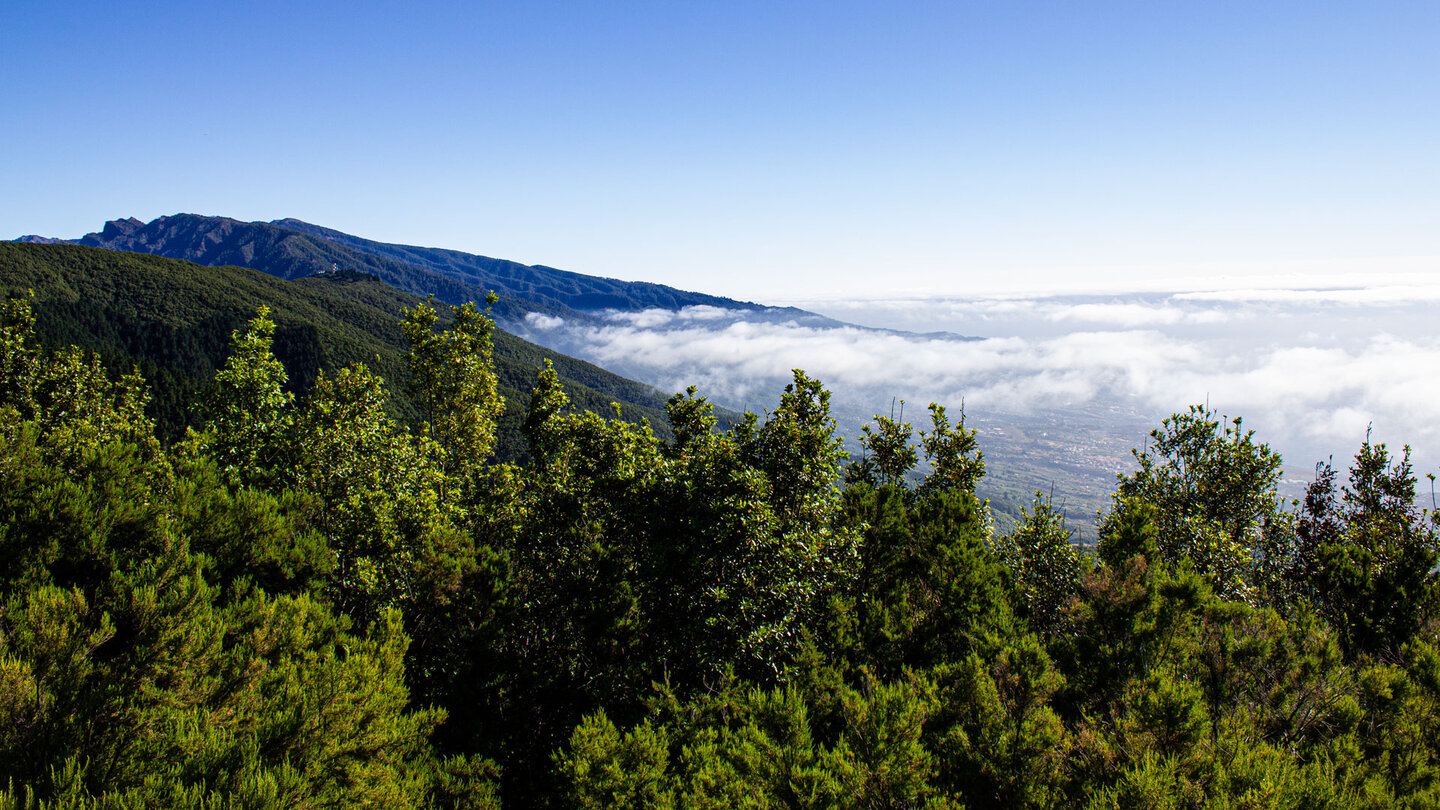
(311, 604)
(174, 319)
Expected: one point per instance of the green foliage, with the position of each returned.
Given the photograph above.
(135, 671)
(683, 555)
(953, 454)
(122, 662)
(1003, 745)
(761, 748)
(311, 603)
(1213, 489)
(68, 396)
(1130, 531)
(888, 448)
(174, 320)
(930, 589)
(374, 490)
(251, 412)
(950, 451)
(452, 382)
(607, 769)
(1368, 560)
(799, 453)
(1044, 566)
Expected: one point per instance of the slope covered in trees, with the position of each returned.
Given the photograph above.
(174, 319)
(307, 602)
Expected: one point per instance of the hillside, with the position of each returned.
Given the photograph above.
(538, 283)
(288, 254)
(290, 248)
(174, 318)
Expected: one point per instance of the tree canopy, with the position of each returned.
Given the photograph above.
(311, 599)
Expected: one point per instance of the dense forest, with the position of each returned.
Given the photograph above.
(313, 598)
(173, 320)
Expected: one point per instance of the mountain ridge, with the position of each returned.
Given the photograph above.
(549, 284)
(284, 253)
(292, 248)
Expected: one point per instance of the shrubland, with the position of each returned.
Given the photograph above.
(314, 600)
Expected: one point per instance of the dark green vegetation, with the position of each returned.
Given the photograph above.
(309, 602)
(173, 319)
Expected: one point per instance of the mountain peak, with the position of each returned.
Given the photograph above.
(116, 228)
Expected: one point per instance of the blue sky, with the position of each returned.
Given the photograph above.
(763, 150)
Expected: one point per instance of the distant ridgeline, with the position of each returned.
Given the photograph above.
(290, 248)
(174, 318)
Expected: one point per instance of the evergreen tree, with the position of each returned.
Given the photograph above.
(1214, 492)
(1372, 574)
(1044, 566)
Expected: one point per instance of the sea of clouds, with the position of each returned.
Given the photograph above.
(1310, 369)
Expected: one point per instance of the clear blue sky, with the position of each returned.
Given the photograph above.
(754, 149)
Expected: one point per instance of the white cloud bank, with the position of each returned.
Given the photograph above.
(1304, 387)
(1391, 295)
(541, 321)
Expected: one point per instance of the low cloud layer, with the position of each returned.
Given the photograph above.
(1310, 381)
